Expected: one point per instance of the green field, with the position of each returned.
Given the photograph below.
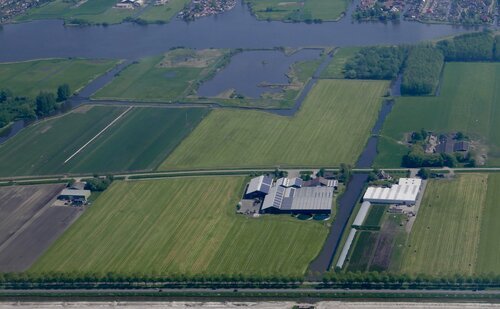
(335, 68)
(160, 78)
(448, 231)
(138, 141)
(92, 11)
(30, 77)
(362, 250)
(332, 127)
(488, 260)
(298, 10)
(102, 11)
(182, 226)
(163, 13)
(469, 102)
(375, 215)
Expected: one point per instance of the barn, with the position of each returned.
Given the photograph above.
(258, 187)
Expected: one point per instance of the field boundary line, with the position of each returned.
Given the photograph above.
(98, 134)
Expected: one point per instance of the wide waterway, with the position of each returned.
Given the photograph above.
(234, 29)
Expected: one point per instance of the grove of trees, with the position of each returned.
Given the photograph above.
(376, 63)
(422, 70)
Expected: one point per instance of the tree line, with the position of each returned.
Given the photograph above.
(421, 65)
(14, 107)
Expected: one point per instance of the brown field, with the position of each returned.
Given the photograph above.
(29, 224)
(20, 204)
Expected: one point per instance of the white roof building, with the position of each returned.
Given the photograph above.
(405, 192)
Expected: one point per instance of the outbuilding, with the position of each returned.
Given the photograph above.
(74, 196)
(258, 187)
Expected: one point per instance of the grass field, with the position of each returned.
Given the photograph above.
(469, 102)
(298, 10)
(335, 68)
(362, 250)
(375, 215)
(93, 11)
(159, 78)
(140, 140)
(488, 260)
(332, 127)
(30, 77)
(446, 235)
(182, 226)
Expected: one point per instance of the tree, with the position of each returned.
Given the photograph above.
(345, 172)
(63, 92)
(424, 173)
(45, 103)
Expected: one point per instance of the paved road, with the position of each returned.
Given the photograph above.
(255, 290)
(221, 171)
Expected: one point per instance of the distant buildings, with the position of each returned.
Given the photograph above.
(290, 195)
(403, 193)
(129, 4)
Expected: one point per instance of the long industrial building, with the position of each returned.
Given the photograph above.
(403, 193)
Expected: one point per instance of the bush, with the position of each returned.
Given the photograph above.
(63, 93)
(98, 184)
(422, 70)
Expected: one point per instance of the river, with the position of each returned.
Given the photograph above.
(234, 29)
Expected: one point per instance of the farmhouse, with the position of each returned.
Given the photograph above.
(74, 196)
(258, 187)
(404, 193)
(289, 196)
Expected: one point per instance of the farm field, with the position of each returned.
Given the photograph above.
(469, 102)
(378, 250)
(92, 11)
(29, 224)
(335, 68)
(449, 228)
(182, 226)
(332, 127)
(164, 78)
(298, 10)
(28, 78)
(487, 253)
(20, 203)
(138, 141)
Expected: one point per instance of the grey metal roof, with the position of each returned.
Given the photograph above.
(260, 184)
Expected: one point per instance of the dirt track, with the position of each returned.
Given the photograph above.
(29, 224)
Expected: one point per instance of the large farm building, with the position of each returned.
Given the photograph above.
(403, 193)
(288, 195)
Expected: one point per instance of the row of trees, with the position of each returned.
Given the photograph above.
(13, 107)
(49, 279)
(422, 70)
(386, 279)
(417, 157)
